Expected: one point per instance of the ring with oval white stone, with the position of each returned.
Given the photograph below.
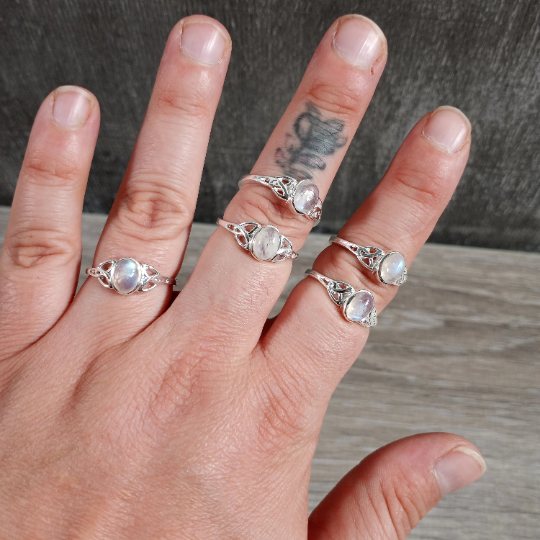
(303, 196)
(356, 306)
(389, 267)
(264, 242)
(126, 276)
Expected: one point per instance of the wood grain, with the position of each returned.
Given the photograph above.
(458, 350)
(479, 55)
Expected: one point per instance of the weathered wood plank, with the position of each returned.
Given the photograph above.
(458, 350)
(479, 55)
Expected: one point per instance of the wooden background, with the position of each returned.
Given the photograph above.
(458, 350)
(482, 56)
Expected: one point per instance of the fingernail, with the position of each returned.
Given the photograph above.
(448, 128)
(458, 469)
(359, 41)
(203, 41)
(71, 107)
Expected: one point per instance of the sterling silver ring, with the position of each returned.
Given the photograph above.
(303, 196)
(264, 242)
(126, 276)
(356, 306)
(389, 267)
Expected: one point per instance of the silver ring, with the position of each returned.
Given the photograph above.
(303, 196)
(356, 306)
(264, 242)
(126, 276)
(389, 267)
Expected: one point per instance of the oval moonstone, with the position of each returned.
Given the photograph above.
(126, 276)
(266, 243)
(391, 268)
(306, 197)
(359, 306)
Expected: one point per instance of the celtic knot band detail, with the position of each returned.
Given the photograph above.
(302, 196)
(389, 267)
(126, 276)
(356, 306)
(264, 242)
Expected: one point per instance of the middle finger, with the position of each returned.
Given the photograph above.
(230, 291)
(152, 214)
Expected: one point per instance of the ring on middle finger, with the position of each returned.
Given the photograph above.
(264, 242)
(303, 196)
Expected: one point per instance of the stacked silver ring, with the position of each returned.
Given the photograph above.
(356, 306)
(264, 242)
(389, 267)
(303, 196)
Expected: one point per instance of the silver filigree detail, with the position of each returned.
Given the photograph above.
(340, 293)
(402, 279)
(149, 277)
(285, 188)
(371, 258)
(246, 232)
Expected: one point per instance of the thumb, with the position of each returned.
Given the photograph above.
(391, 490)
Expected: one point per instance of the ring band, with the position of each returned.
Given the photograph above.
(356, 306)
(303, 196)
(389, 267)
(126, 276)
(264, 242)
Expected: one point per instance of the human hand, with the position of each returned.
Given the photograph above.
(134, 417)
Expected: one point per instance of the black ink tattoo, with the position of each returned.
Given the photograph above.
(313, 137)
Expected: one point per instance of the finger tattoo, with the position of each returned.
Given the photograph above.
(313, 139)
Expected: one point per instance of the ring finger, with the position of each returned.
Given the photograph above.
(398, 216)
(310, 141)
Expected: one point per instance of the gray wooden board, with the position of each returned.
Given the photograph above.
(479, 55)
(458, 350)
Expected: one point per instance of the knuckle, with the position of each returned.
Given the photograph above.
(402, 504)
(423, 195)
(425, 189)
(343, 101)
(150, 210)
(181, 101)
(32, 247)
(176, 389)
(285, 420)
(281, 424)
(187, 381)
(53, 169)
